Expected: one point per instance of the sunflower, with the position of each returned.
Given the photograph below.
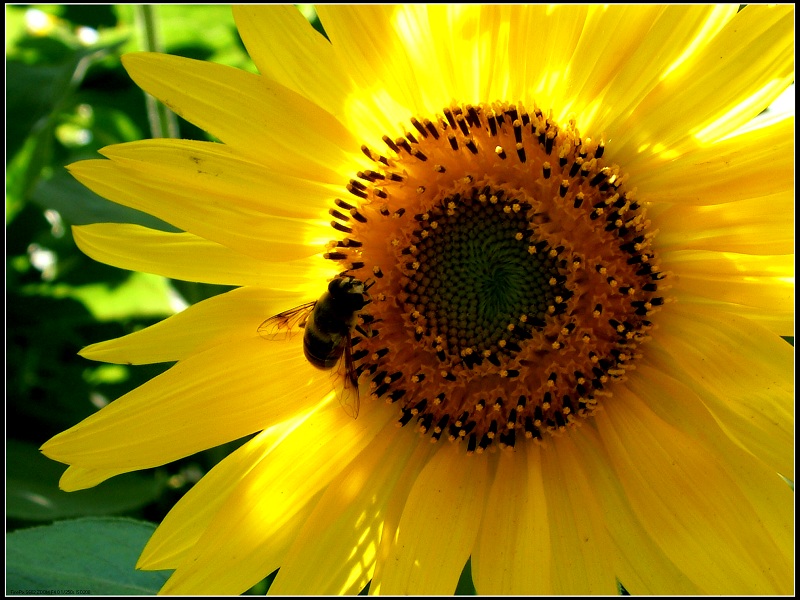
(552, 259)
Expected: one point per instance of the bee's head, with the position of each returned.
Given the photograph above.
(350, 290)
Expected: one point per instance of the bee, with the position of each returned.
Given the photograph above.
(328, 325)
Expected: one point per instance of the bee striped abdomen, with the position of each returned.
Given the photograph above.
(322, 343)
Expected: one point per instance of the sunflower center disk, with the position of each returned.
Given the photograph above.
(511, 275)
(474, 284)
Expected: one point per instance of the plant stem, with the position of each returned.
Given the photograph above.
(163, 122)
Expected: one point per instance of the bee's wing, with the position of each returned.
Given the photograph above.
(347, 382)
(285, 324)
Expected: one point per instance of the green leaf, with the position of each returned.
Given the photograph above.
(32, 93)
(465, 587)
(139, 295)
(84, 556)
(212, 35)
(90, 15)
(32, 489)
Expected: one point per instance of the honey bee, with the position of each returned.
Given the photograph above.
(328, 325)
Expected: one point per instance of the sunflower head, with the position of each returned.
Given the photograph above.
(477, 216)
(512, 273)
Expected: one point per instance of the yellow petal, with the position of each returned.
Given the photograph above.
(189, 518)
(470, 43)
(723, 85)
(767, 494)
(217, 173)
(365, 38)
(258, 117)
(438, 526)
(741, 371)
(672, 39)
(394, 509)
(759, 287)
(289, 51)
(542, 41)
(286, 48)
(724, 278)
(581, 550)
(223, 319)
(335, 551)
(195, 405)
(609, 40)
(687, 502)
(638, 562)
(237, 550)
(763, 225)
(756, 164)
(486, 53)
(512, 555)
(241, 229)
(80, 478)
(190, 258)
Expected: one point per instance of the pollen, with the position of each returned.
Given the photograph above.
(516, 271)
